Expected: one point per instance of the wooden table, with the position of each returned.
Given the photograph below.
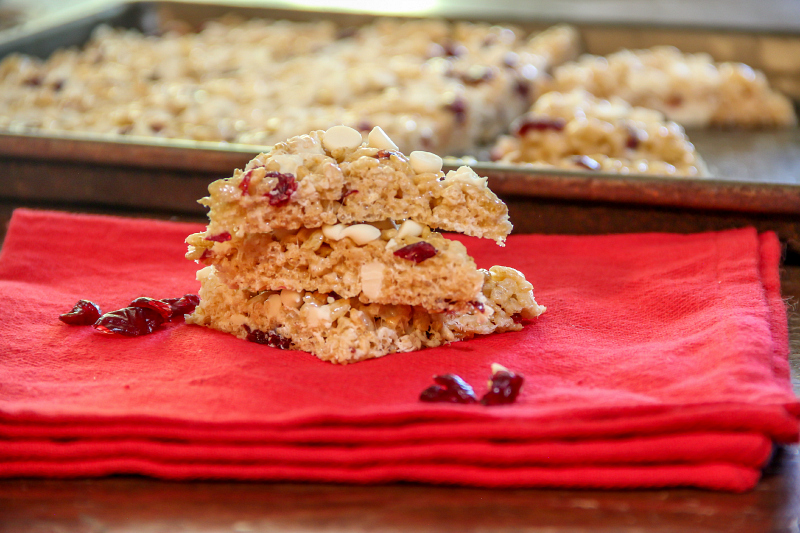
(137, 504)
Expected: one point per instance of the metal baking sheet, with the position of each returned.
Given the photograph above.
(754, 171)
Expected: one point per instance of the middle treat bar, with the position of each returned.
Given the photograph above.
(378, 263)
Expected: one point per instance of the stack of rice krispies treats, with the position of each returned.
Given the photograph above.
(328, 244)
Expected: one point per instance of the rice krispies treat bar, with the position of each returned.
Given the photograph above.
(331, 177)
(578, 130)
(360, 261)
(690, 89)
(345, 330)
(432, 85)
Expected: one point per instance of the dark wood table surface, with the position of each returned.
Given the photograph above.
(138, 504)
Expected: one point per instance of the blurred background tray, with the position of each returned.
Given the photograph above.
(756, 173)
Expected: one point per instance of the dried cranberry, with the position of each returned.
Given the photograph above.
(633, 139)
(449, 388)
(183, 305)
(478, 306)
(159, 306)
(504, 388)
(58, 85)
(517, 318)
(454, 49)
(84, 313)
(384, 154)
(270, 338)
(364, 125)
(222, 237)
(459, 108)
(476, 78)
(434, 394)
(33, 81)
(523, 88)
(130, 321)
(417, 252)
(244, 185)
(523, 125)
(346, 33)
(674, 100)
(586, 162)
(283, 190)
(206, 254)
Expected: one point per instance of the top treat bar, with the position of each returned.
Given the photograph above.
(332, 177)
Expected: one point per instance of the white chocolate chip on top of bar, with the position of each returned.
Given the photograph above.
(465, 175)
(423, 162)
(378, 139)
(338, 137)
(289, 162)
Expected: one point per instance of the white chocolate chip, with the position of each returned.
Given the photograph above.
(238, 319)
(204, 273)
(423, 162)
(378, 139)
(372, 279)
(288, 162)
(333, 232)
(409, 228)
(497, 367)
(317, 315)
(361, 233)
(465, 175)
(274, 304)
(341, 137)
(291, 299)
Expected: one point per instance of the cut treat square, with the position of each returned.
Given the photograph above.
(690, 89)
(576, 130)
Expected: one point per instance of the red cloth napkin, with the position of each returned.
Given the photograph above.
(662, 360)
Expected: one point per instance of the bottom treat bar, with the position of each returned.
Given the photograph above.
(344, 330)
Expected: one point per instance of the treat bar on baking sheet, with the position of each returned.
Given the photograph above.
(578, 130)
